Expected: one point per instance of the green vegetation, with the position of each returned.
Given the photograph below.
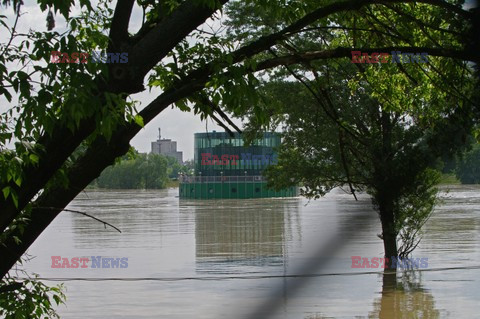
(449, 179)
(175, 169)
(463, 168)
(29, 299)
(141, 171)
(375, 127)
(468, 166)
(321, 150)
(173, 184)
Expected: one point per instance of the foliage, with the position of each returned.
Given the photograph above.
(413, 208)
(140, 172)
(188, 168)
(29, 299)
(468, 167)
(175, 169)
(374, 127)
(354, 140)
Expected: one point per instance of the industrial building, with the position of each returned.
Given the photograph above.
(166, 147)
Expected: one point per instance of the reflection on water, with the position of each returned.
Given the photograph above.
(404, 297)
(263, 244)
(254, 234)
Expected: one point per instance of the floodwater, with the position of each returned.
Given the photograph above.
(259, 258)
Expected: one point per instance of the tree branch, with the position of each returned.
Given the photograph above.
(120, 21)
(84, 214)
(157, 43)
(52, 201)
(341, 145)
(346, 52)
(12, 33)
(215, 108)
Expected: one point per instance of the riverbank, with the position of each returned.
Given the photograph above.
(173, 183)
(449, 179)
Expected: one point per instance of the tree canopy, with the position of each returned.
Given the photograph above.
(380, 126)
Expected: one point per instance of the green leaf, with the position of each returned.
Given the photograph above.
(18, 181)
(15, 199)
(7, 94)
(139, 120)
(6, 191)
(34, 158)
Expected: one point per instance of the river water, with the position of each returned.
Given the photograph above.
(259, 258)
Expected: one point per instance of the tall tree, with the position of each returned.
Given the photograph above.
(368, 125)
(73, 120)
(345, 137)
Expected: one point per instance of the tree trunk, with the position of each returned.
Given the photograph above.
(387, 189)
(388, 230)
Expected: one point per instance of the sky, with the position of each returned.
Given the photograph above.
(176, 125)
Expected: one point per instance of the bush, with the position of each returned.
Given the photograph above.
(468, 168)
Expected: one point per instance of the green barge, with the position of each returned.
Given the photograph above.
(225, 168)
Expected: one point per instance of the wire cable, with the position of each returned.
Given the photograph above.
(256, 277)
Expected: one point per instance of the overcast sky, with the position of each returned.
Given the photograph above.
(176, 125)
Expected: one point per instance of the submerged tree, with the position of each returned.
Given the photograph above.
(347, 138)
(374, 126)
(73, 119)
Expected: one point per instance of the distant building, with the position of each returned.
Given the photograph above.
(166, 147)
